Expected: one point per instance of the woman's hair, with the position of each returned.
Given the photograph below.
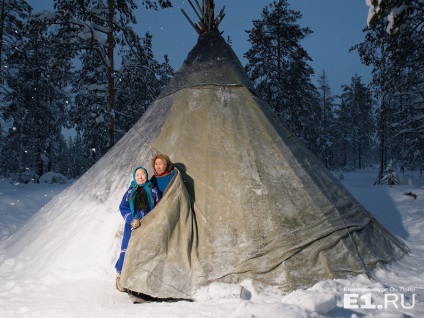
(141, 202)
(166, 160)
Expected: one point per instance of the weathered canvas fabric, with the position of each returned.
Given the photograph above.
(262, 206)
(161, 259)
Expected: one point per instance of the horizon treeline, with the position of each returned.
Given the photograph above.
(82, 68)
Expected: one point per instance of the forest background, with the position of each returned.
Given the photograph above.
(81, 67)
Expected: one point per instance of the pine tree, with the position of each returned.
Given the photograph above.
(165, 72)
(396, 13)
(140, 81)
(373, 51)
(395, 52)
(389, 176)
(100, 26)
(327, 129)
(77, 163)
(407, 129)
(35, 104)
(355, 125)
(278, 66)
(13, 14)
(407, 83)
(2, 154)
(89, 108)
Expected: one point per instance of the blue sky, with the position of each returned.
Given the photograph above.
(337, 26)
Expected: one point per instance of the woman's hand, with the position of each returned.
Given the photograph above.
(135, 224)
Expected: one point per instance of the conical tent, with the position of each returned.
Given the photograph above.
(250, 201)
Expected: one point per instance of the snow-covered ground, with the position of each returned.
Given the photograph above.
(395, 292)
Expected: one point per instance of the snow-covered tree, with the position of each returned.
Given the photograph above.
(396, 12)
(13, 16)
(89, 109)
(100, 26)
(407, 90)
(373, 51)
(407, 128)
(34, 105)
(141, 80)
(389, 176)
(398, 78)
(165, 71)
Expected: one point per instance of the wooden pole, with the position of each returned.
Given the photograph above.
(206, 15)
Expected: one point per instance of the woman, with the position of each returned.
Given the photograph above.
(140, 198)
(164, 172)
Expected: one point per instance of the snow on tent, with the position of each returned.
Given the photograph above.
(250, 201)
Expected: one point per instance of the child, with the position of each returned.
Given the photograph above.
(140, 198)
(164, 172)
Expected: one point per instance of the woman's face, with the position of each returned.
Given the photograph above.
(140, 176)
(159, 166)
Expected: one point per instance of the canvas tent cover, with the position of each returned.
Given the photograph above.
(250, 201)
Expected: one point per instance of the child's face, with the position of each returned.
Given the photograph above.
(140, 176)
(159, 166)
